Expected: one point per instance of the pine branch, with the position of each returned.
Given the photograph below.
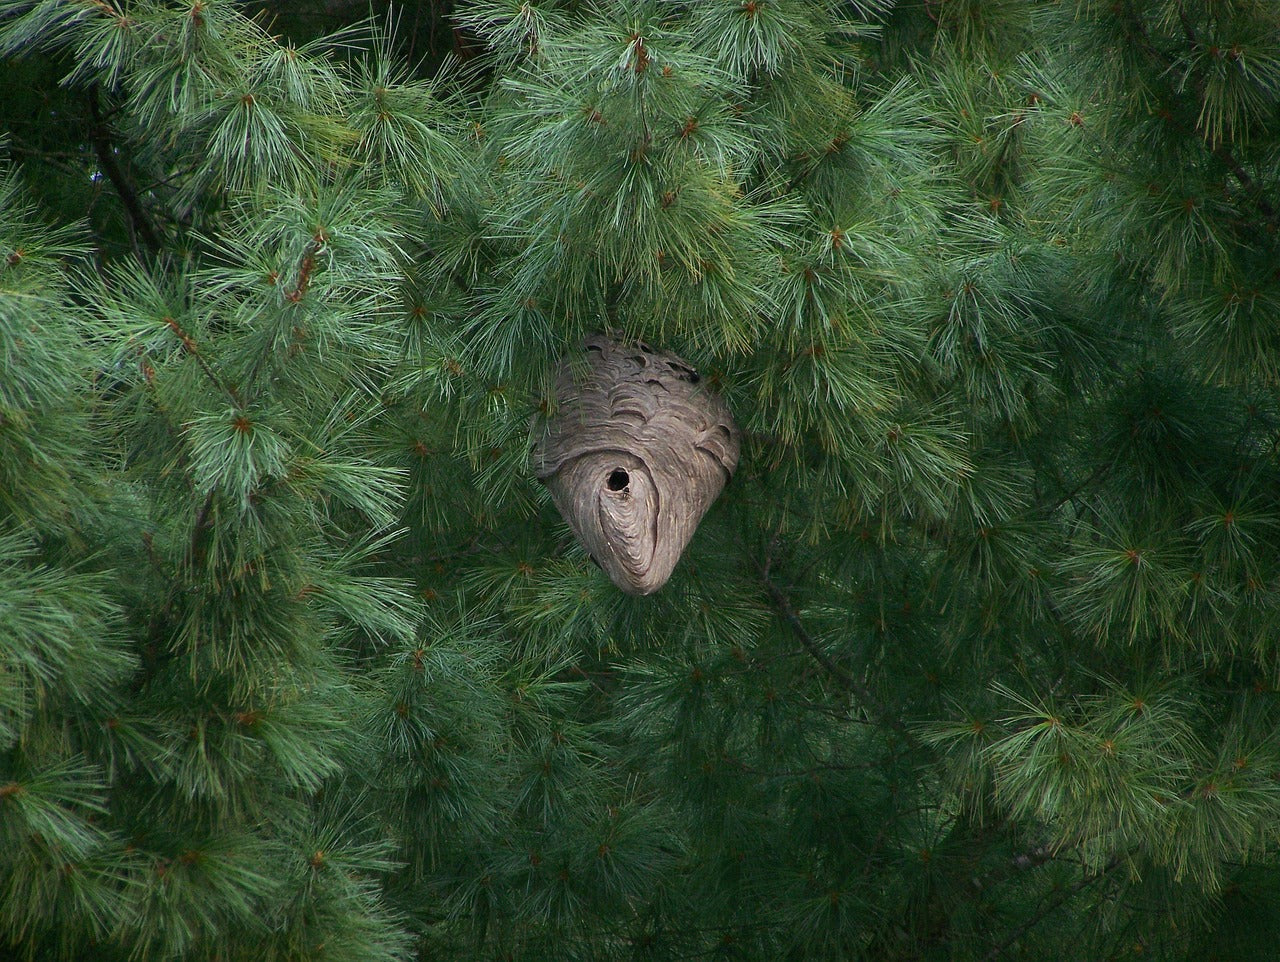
(104, 149)
(1098, 473)
(1220, 151)
(200, 531)
(842, 677)
(189, 345)
(1138, 29)
(306, 266)
(302, 283)
(845, 680)
(1049, 908)
(1187, 28)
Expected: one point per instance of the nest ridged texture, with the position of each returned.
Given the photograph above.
(635, 453)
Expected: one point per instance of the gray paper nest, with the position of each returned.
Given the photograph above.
(634, 455)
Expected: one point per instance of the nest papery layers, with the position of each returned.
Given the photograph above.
(637, 450)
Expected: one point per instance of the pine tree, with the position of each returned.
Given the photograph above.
(973, 659)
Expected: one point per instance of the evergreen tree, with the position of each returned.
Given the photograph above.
(974, 658)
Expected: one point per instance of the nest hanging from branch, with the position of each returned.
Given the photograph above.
(635, 454)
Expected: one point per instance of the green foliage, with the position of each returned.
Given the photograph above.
(975, 657)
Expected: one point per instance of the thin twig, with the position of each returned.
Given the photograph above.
(1071, 495)
(1070, 892)
(1221, 152)
(842, 677)
(1143, 38)
(189, 345)
(845, 680)
(100, 134)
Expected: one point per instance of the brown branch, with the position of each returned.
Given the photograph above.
(306, 266)
(100, 135)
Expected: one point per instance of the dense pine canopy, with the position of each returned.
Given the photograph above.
(976, 657)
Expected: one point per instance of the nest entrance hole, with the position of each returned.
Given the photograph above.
(618, 479)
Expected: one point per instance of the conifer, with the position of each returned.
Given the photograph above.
(973, 659)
